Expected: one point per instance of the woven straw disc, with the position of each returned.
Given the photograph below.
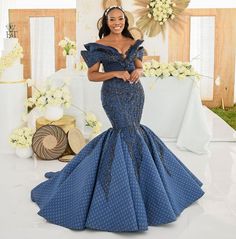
(49, 142)
(136, 33)
(108, 3)
(66, 158)
(76, 140)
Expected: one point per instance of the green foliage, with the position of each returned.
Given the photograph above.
(228, 115)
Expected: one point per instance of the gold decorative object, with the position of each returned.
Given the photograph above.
(76, 140)
(11, 30)
(99, 23)
(67, 122)
(49, 142)
(136, 33)
(66, 158)
(145, 53)
(130, 18)
(154, 14)
(12, 82)
(108, 3)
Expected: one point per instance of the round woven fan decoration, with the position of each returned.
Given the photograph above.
(76, 140)
(49, 142)
(136, 33)
(66, 158)
(109, 3)
(130, 18)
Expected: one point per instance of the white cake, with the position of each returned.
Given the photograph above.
(13, 92)
(13, 73)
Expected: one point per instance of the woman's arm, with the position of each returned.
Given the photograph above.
(95, 75)
(134, 76)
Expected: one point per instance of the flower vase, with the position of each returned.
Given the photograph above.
(70, 62)
(25, 152)
(53, 112)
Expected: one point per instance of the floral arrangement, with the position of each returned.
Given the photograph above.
(69, 47)
(81, 66)
(9, 59)
(161, 10)
(177, 69)
(92, 122)
(153, 14)
(21, 137)
(49, 95)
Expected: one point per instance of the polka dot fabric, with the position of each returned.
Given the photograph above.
(125, 179)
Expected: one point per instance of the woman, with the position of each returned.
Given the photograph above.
(126, 178)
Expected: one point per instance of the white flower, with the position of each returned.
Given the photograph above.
(68, 46)
(158, 72)
(90, 117)
(160, 10)
(92, 122)
(21, 137)
(175, 73)
(81, 66)
(97, 127)
(177, 69)
(72, 52)
(9, 59)
(29, 82)
(64, 53)
(49, 95)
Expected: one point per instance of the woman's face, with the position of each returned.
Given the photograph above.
(116, 21)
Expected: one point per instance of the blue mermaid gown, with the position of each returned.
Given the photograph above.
(125, 179)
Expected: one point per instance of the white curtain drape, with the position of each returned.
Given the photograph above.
(42, 48)
(202, 44)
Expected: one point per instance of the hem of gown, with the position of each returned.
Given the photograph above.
(143, 229)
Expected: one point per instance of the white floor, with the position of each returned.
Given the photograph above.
(212, 217)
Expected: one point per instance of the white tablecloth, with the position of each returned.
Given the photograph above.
(173, 108)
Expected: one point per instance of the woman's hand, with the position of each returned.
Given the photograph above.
(124, 75)
(134, 76)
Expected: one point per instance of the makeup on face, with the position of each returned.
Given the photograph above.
(116, 20)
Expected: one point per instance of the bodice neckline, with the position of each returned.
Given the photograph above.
(131, 46)
(136, 44)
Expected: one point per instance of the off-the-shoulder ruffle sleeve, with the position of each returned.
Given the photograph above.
(90, 56)
(139, 54)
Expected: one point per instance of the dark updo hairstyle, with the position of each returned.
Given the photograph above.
(105, 30)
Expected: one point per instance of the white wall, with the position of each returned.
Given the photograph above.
(212, 4)
(41, 4)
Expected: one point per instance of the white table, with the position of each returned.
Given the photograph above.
(173, 108)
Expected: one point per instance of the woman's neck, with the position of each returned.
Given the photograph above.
(115, 37)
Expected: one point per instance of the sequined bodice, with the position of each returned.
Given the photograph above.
(122, 101)
(111, 58)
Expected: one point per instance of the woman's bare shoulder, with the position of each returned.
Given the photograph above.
(102, 40)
